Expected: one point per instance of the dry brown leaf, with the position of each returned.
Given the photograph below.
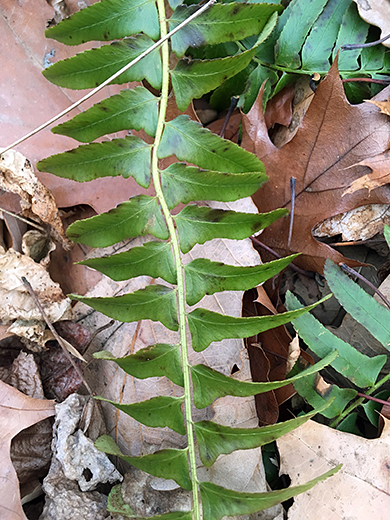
(18, 307)
(376, 12)
(383, 105)
(359, 491)
(17, 412)
(294, 351)
(380, 174)
(333, 137)
(17, 176)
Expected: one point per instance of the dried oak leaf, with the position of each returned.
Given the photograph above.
(333, 137)
(17, 412)
(359, 491)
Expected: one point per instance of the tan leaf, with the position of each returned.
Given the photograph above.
(17, 412)
(383, 105)
(359, 491)
(323, 157)
(17, 176)
(380, 173)
(376, 12)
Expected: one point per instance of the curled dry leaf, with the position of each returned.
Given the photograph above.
(322, 156)
(376, 12)
(363, 482)
(294, 351)
(17, 304)
(17, 412)
(17, 176)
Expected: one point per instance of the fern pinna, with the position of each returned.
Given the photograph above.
(220, 171)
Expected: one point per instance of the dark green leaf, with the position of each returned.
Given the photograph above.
(255, 80)
(189, 141)
(155, 302)
(210, 384)
(169, 463)
(301, 20)
(221, 98)
(129, 109)
(138, 216)
(340, 397)
(184, 184)
(207, 326)
(126, 157)
(192, 79)
(152, 259)
(219, 24)
(218, 502)
(215, 439)
(156, 412)
(90, 68)
(353, 29)
(348, 425)
(197, 224)
(352, 364)
(372, 409)
(153, 361)
(206, 277)
(108, 20)
(372, 58)
(360, 305)
(319, 44)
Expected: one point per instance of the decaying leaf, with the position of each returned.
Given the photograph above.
(294, 351)
(322, 157)
(17, 176)
(18, 307)
(358, 224)
(362, 483)
(376, 12)
(383, 105)
(17, 412)
(379, 175)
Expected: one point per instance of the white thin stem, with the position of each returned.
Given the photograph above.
(111, 78)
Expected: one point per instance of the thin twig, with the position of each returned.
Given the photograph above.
(233, 104)
(309, 274)
(54, 332)
(380, 401)
(97, 331)
(366, 80)
(290, 229)
(352, 272)
(111, 78)
(352, 46)
(25, 220)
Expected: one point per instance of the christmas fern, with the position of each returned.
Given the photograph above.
(220, 171)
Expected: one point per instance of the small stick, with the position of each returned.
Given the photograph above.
(97, 331)
(309, 274)
(111, 78)
(352, 46)
(29, 222)
(366, 80)
(290, 229)
(233, 104)
(380, 401)
(352, 272)
(54, 332)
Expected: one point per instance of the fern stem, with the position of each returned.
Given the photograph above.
(359, 401)
(177, 258)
